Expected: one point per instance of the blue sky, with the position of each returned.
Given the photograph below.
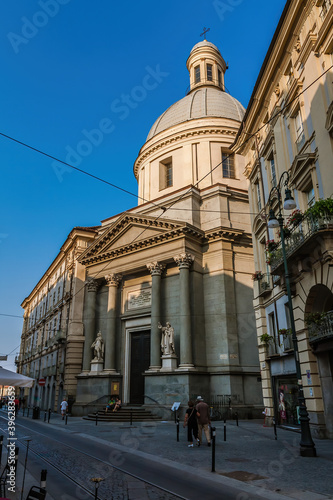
(67, 67)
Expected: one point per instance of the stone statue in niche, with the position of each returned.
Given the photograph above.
(98, 346)
(167, 339)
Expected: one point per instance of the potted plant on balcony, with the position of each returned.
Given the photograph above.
(286, 232)
(285, 332)
(295, 218)
(271, 245)
(265, 339)
(321, 211)
(258, 275)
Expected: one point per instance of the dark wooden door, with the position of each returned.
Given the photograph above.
(140, 361)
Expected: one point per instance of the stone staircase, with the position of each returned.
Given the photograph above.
(125, 414)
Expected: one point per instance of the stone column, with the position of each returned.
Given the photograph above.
(112, 281)
(184, 261)
(156, 270)
(89, 322)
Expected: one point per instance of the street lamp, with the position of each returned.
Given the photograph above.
(307, 446)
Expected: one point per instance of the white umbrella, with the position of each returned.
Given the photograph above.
(14, 379)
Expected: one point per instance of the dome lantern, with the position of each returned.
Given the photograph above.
(206, 66)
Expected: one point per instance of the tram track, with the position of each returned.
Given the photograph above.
(43, 453)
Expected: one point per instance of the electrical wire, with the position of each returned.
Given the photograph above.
(163, 208)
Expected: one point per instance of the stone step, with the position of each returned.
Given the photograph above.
(125, 414)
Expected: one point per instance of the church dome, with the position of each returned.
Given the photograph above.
(204, 43)
(204, 102)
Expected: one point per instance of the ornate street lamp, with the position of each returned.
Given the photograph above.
(307, 446)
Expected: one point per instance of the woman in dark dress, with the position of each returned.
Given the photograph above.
(192, 425)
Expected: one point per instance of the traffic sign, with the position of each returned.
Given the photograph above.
(41, 381)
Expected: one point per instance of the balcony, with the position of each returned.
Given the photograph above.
(60, 336)
(302, 240)
(321, 328)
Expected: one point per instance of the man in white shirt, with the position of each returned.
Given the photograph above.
(63, 408)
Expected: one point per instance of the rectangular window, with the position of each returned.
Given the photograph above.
(166, 173)
(228, 166)
(273, 173)
(209, 72)
(258, 196)
(299, 130)
(310, 196)
(219, 76)
(197, 74)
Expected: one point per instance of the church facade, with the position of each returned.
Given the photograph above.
(177, 267)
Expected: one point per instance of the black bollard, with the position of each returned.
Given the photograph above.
(43, 479)
(45, 416)
(23, 411)
(66, 419)
(274, 424)
(177, 429)
(49, 416)
(225, 431)
(28, 411)
(236, 415)
(1, 443)
(213, 433)
(131, 418)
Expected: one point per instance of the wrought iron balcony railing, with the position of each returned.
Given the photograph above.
(298, 235)
(322, 329)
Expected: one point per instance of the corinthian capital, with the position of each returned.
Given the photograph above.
(155, 268)
(113, 279)
(92, 285)
(184, 260)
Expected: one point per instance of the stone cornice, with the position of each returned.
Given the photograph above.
(223, 233)
(184, 231)
(176, 138)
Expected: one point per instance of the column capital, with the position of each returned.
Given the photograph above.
(155, 268)
(184, 260)
(113, 279)
(92, 285)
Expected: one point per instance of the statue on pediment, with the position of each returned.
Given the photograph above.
(98, 346)
(167, 339)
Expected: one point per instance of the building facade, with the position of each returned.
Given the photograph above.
(288, 126)
(182, 257)
(52, 336)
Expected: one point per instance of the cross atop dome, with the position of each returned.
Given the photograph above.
(205, 30)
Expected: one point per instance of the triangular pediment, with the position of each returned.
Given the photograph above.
(131, 232)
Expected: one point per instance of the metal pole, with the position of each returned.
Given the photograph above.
(25, 466)
(177, 429)
(213, 432)
(17, 449)
(224, 431)
(43, 479)
(45, 416)
(274, 424)
(307, 446)
(236, 414)
(131, 417)
(49, 416)
(1, 443)
(66, 419)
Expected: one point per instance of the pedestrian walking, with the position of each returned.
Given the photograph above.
(63, 408)
(203, 419)
(190, 421)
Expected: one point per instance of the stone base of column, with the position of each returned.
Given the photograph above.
(110, 371)
(84, 373)
(169, 363)
(186, 367)
(153, 369)
(96, 366)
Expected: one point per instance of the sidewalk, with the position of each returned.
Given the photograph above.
(250, 453)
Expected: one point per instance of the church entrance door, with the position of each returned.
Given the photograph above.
(140, 361)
